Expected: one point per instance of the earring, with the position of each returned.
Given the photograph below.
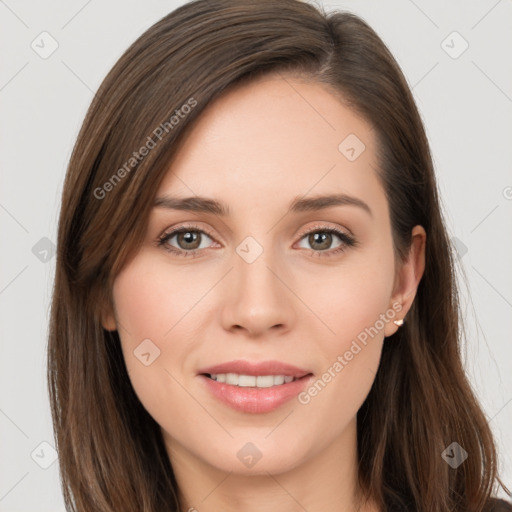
(398, 322)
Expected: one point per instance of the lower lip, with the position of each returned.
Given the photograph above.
(256, 400)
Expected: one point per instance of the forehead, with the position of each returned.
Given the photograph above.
(275, 138)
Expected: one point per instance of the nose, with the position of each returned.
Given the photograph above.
(257, 298)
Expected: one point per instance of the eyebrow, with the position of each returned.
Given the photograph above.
(207, 205)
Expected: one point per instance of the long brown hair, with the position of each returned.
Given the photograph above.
(111, 452)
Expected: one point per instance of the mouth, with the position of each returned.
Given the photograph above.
(255, 387)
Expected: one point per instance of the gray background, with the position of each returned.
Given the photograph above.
(465, 101)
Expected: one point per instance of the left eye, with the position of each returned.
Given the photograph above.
(323, 239)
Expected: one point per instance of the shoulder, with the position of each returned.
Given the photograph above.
(497, 505)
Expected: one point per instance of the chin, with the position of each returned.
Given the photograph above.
(257, 455)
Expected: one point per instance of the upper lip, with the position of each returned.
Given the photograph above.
(242, 367)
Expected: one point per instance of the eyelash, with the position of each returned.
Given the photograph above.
(347, 240)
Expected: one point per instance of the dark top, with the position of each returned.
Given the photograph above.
(497, 505)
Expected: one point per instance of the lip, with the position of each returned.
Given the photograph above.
(251, 399)
(256, 368)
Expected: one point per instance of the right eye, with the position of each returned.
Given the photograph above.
(188, 239)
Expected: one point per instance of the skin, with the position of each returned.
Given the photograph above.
(277, 134)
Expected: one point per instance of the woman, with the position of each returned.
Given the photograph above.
(255, 304)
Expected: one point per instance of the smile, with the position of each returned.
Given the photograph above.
(254, 394)
(245, 381)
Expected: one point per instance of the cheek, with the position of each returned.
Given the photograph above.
(351, 355)
(354, 304)
(351, 298)
(355, 315)
(152, 301)
(149, 308)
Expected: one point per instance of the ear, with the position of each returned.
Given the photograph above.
(408, 278)
(108, 320)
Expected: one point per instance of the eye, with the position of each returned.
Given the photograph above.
(321, 238)
(187, 238)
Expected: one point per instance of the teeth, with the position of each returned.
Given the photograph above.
(261, 381)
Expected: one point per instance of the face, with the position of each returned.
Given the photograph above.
(279, 287)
